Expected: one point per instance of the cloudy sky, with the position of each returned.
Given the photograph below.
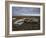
(25, 11)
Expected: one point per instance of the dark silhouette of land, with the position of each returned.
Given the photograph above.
(27, 25)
